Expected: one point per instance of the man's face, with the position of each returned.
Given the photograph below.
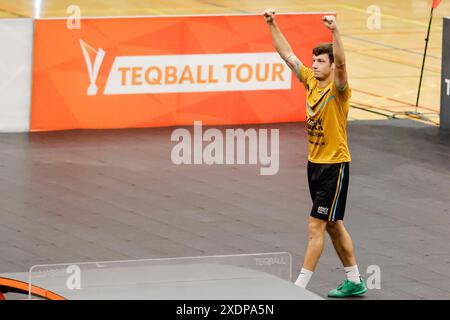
(322, 67)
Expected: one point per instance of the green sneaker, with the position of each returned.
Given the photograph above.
(348, 289)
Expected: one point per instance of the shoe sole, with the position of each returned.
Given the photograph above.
(356, 294)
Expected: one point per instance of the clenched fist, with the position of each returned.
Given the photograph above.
(269, 15)
(330, 22)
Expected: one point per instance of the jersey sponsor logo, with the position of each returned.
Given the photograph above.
(315, 124)
(316, 143)
(315, 129)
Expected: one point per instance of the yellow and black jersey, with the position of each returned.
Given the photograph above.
(326, 114)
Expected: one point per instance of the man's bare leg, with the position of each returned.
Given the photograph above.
(316, 237)
(342, 242)
(343, 245)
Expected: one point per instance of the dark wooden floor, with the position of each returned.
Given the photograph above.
(115, 195)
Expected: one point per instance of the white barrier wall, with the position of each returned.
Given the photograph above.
(16, 42)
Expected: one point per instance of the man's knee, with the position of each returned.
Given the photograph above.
(316, 227)
(335, 229)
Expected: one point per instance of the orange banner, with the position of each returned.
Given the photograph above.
(168, 71)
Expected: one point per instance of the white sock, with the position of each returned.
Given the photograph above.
(303, 278)
(353, 274)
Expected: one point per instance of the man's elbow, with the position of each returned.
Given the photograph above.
(286, 55)
(340, 65)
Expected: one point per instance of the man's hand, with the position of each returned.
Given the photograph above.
(269, 15)
(340, 74)
(330, 22)
(281, 45)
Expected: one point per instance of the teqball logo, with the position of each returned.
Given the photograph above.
(187, 73)
(92, 66)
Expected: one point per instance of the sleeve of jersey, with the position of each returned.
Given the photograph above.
(304, 74)
(344, 94)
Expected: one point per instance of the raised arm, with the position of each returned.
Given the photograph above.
(340, 70)
(281, 44)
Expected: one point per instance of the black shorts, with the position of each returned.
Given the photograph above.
(328, 185)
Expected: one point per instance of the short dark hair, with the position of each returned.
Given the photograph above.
(324, 48)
